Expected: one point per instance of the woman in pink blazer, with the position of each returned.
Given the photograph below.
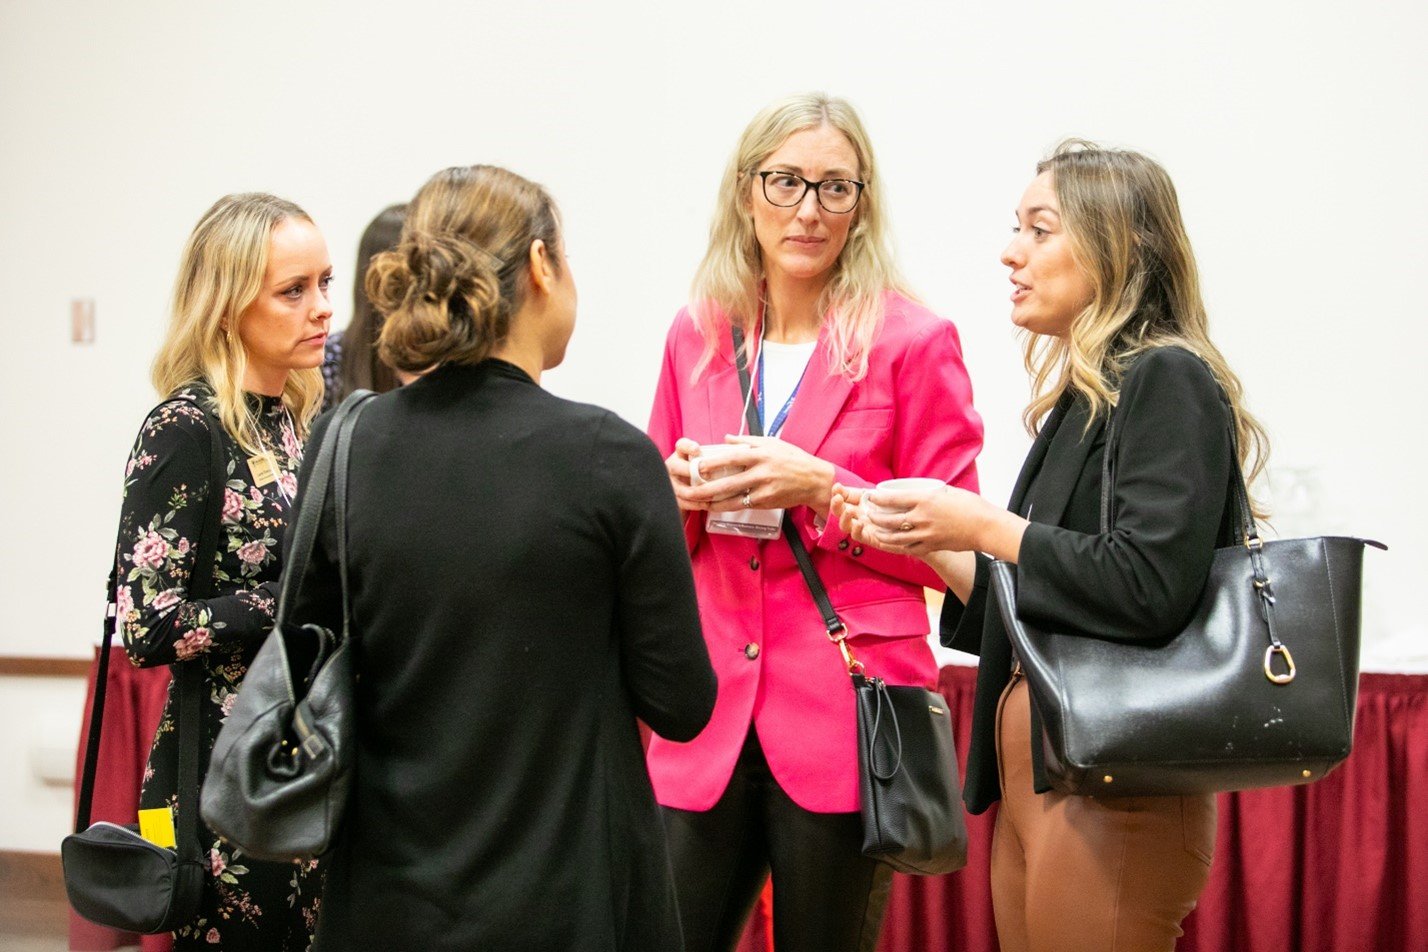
(857, 383)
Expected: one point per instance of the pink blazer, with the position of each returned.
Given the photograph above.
(910, 416)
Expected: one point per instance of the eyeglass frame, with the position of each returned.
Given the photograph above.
(815, 186)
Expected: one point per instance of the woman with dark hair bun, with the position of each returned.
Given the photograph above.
(520, 596)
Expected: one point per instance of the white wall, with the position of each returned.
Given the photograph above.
(1294, 130)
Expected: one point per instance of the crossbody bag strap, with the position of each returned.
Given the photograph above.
(837, 632)
(190, 684)
(189, 674)
(741, 361)
(96, 711)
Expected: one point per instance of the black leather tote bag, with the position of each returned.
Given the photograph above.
(280, 771)
(1258, 690)
(112, 875)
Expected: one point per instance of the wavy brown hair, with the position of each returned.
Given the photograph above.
(1124, 226)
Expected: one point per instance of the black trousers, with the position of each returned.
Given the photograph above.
(827, 896)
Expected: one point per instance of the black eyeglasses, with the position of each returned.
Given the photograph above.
(785, 189)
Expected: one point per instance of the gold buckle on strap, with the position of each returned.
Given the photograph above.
(1269, 672)
(840, 638)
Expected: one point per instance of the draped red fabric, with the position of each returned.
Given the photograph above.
(1336, 866)
(1341, 864)
(133, 703)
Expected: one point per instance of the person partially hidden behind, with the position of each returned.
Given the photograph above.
(350, 361)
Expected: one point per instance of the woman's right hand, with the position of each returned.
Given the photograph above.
(843, 509)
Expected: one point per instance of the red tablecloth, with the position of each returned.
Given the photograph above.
(132, 705)
(1338, 866)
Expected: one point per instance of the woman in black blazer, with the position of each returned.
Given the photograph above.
(520, 595)
(1105, 283)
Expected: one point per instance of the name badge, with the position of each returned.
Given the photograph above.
(157, 826)
(263, 468)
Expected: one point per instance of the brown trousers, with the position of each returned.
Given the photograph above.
(1090, 874)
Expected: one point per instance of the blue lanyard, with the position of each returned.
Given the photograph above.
(782, 416)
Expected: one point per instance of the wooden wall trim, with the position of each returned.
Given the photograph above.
(32, 896)
(28, 666)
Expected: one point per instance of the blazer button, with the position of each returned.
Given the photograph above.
(857, 550)
(842, 544)
(751, 651)
(754, 563)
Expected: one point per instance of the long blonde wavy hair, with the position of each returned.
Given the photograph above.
(1123, 223)
(731, 274)
(220, 274)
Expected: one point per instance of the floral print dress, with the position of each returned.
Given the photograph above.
(247, 904)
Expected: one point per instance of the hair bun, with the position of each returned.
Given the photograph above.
(448, 266)
(451, 287)
(441, 293)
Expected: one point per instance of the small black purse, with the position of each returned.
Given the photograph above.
(112, 875)
(1258, 690)
(909, 788)
(280, 771)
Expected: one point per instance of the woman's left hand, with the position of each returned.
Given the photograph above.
(777, 475)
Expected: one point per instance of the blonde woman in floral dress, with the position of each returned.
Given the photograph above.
(245, 340)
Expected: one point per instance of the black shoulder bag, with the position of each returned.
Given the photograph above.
(909, 786)
(1258, 690)
(113, 876)
(278, 778)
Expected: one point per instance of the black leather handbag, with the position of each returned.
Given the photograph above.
(1258, 690)
(112, 875)
(910, 791)
(909, 788)
(280, 771)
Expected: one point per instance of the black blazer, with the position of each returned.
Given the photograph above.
(1139, 581)
(521, 592)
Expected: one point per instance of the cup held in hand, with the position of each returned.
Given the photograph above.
(904, 484)
(750, 523)
(706, 468)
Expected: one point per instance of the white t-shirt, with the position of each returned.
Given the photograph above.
(783, 368)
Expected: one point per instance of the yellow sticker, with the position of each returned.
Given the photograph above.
(263, 468)
(157, 826)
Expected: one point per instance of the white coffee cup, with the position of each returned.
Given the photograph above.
(710, 453)
(904, 484)
(749, 523)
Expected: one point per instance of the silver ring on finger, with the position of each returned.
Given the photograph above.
(748, 503)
